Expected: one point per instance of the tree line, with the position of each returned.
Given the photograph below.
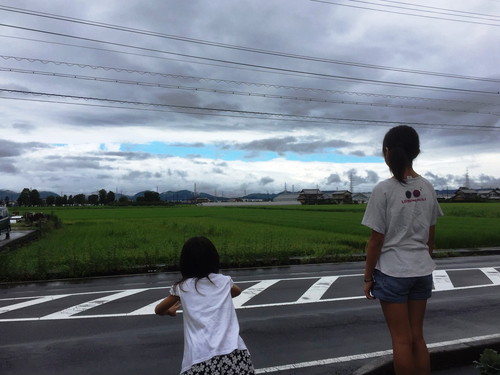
(31, 197)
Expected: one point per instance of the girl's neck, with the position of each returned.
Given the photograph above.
(409, 172)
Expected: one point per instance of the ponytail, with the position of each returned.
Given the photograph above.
(401, 146)
(398, 161)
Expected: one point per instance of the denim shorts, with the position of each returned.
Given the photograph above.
(401, 289)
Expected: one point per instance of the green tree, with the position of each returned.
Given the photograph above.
(50, 200)
(110, 197)
(93, 199)
(35, 198)
(151, 196)
(102, 196)
(24, 198)
(79, 199)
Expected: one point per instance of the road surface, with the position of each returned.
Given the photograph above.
(306, 320)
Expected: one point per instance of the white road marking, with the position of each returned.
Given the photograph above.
(492, 274)
(252, 291)
(442, 280)
(67, 313)
(322, 362)
(146, 310)
(314, 294)
(329, 361)
(32, 302)
(318, 289)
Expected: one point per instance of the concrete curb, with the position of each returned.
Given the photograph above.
(455, 356)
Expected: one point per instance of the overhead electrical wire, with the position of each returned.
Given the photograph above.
(239, 93)
(236, 47)
(403, 13)
(259, 114)
(315, 74)
(232, 81)
(435, 10)
(466, 13)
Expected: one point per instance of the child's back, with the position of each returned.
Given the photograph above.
(212, 342)
(210, 324)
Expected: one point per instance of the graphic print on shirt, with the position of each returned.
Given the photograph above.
(414, 196)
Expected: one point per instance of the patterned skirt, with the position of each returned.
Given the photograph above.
(236, 363)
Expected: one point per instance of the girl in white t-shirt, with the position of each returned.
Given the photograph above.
(212, 343)
(402, 213)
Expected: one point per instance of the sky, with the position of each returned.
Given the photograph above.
(238, 97)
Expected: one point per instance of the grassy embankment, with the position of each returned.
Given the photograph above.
(98, 241)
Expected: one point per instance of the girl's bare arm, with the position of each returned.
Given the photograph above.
(432, 236)
(373, 250)
(235, 291)
(168, 306)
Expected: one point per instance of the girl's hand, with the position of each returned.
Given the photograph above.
(173, 310)
(368, 289)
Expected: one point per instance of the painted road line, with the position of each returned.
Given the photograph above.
(32, 302)
(442, 280)
(355, 357)
(318, 289)
(146, 310)
(252, 291)
(66, 313)
(322, 362)
(492, 274)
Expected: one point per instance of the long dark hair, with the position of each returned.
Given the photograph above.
(401, 146)
(199, 258)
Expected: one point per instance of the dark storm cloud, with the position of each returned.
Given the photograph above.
(450, 181)
(138, 175)
(370, 178)
(7, 167)
(290, 144)
(24, 127)
(10, 149)
(334, 178)
(74, 164)
(266, 180)
(178, 173)
(129, 155)
(218, 170)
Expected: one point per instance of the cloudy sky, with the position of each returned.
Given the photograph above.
(244, 96)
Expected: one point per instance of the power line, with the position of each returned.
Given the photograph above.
(234, 92)
(237, 47)
(401, 13)
(315, 74)
(448, 10)
(242, 113)
(225, 81)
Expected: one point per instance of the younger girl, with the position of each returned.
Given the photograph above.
(402, 213)
(212, 344)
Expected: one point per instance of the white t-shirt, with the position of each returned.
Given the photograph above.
(403, 213)
(210, 323)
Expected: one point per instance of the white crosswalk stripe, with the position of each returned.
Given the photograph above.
(251, 292)
(441, 280)
(67, 313)
(492, 274)
(317, 287)
(31, 302)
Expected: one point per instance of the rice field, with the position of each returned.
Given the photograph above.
(116, 240)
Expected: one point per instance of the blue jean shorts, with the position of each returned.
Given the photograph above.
(401, 289)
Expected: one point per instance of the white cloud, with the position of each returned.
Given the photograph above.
(282, 127)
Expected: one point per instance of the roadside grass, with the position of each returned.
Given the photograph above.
(117, 240)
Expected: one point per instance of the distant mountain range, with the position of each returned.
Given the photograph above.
(181, 195)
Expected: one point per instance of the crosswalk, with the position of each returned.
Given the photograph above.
(255, 294)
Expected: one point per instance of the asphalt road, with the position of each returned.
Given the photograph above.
(295, 320)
